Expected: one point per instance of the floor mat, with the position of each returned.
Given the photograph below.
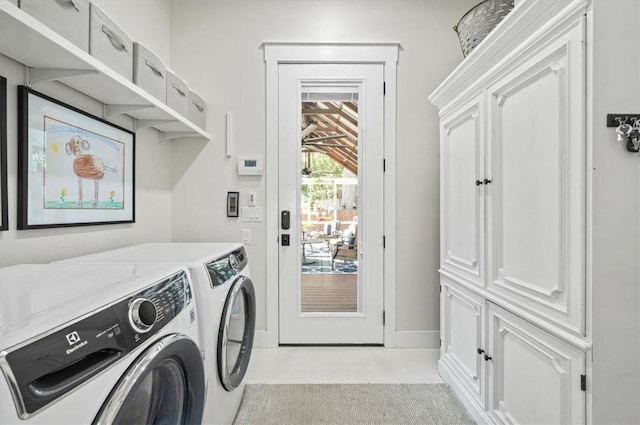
(350, 404)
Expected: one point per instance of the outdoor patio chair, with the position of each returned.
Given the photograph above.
(345, 246)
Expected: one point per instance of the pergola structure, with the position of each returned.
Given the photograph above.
(331, 128)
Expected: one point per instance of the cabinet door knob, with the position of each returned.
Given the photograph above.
(480, 351)
(487, 181)
(487, 357)
(478, 183)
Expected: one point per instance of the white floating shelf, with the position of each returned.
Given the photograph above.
(52, 57)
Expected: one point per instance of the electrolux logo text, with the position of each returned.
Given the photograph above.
(74, 338)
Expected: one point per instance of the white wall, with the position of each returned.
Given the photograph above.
(145, 21)
(616, 214)
(216, 48)
(153, 159)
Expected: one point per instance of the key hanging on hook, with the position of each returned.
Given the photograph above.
(633, 139)
(623, 131)
(627, 130)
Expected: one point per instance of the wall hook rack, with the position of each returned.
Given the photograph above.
(627, 129)
(614, 120)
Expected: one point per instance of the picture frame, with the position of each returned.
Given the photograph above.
(4, 206)
(233, 199)
(74, 169)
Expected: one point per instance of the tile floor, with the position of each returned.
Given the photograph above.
(343, 365)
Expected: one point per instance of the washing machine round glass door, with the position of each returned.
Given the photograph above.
(237, 328)
(165, 385)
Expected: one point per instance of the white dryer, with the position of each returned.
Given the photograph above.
(99, 345)
(226, 302)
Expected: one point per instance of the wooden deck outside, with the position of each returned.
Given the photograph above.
(323, 292)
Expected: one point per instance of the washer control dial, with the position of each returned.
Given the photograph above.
(142, 315)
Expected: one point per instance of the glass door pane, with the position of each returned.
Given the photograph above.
(329, 203)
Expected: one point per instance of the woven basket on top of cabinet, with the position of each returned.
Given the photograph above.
(480, 21)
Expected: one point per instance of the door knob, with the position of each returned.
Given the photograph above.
(487, 181)
(487, 357)
(480, 351)
(478, 183)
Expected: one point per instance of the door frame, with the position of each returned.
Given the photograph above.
(276, 53)
(365, 324)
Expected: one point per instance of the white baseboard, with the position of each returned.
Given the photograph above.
(263, 339)
(477, 412)
(412, 339)
(397, 339)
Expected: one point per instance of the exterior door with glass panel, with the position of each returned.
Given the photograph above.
(330, 199)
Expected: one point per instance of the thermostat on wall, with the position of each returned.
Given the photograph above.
(250, 166)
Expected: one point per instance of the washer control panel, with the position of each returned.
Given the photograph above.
(227, 267)
(154, 308)
(51, 365)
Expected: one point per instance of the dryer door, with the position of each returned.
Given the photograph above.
(237, 328)
(165, 385)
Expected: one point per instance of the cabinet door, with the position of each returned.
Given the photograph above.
(462, 327)
(462, 201)
(535, 378)
(536, 207)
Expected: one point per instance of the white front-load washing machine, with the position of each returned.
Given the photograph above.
(226, 302)
(81, 344)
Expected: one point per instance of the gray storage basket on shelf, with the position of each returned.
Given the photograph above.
(480, 21)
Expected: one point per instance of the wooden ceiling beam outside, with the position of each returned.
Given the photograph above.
(353, 106)
(325, 119)
(348, 163)
(333, 129)
(320, 111)
(331, 118)
(331, 110)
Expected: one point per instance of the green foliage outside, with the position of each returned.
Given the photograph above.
(322, 166)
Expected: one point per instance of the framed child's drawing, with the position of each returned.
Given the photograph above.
(74, 169)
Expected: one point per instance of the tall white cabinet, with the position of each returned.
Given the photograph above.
(521, 220)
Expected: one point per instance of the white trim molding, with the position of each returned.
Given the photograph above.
(529, 20)
(261, 339)
(276, 53)
(412, 339)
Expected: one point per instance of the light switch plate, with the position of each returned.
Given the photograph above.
(252, 199)
(251, 213)
(246, 236)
